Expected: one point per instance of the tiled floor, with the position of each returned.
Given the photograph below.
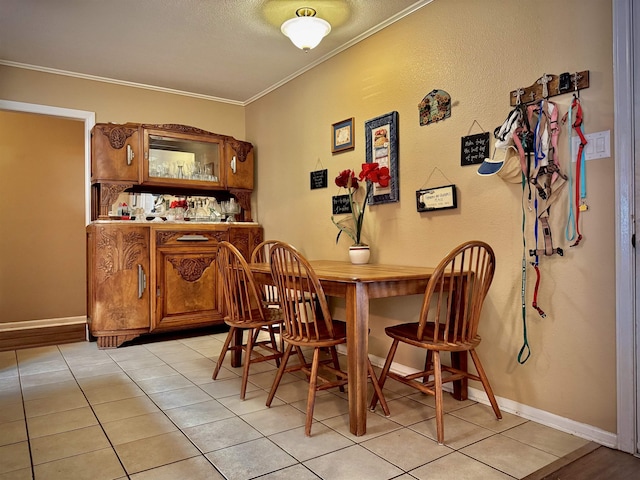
(151, 411)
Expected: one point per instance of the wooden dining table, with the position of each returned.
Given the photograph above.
(358, 284)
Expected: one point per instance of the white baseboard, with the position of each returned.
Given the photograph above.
(582, 430)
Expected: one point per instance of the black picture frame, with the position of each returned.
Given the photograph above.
(438, 198)
(342, 136)
(381, 134)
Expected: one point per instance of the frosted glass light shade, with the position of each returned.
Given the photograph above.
(306, 32)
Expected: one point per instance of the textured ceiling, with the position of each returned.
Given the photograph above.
(231, 50)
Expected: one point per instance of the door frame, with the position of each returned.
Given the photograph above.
(626, 327)
(89, 119)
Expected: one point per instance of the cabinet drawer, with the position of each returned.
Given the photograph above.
(183, 237)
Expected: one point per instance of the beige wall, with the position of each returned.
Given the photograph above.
(478, 52)
(42, 264)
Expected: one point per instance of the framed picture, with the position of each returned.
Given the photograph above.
(439, 198)
(342, 138)
(382, 147)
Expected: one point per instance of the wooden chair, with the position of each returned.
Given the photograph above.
(245, 310)
(448, 323)
(308, 323)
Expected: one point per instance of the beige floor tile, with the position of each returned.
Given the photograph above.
(275, 419)
(221, 434)
(10, 395)
(295, 472)
(221, 388)
(126, 408)
(185, 353)
(54, 404)
(163, 384)
(67, 444)
(352, 462)
(406, 449)
(32, 367)
(98, 465)
(326, 406)
(509, 456)
(406, 411)
(546, 438)
(323, 440)
(155, 451)
(149, 360)
(112, 393)
(61, 422)
(22, 474)
(204, 364)
(196, 468)
(151, 372)
(14, 457)
(254, 400)
(294, 391)
(233, 462)
(135, 428)
(458, 433)
(129, 352)
(8, 364)
(45, 377)
(105, 368)
(107, 380)
(10, 412)
(456, 466)
(484, 416)
(179, 397)
(265, 379)
(13, 432)
(376, 425)
(49, 390)
(198, 414)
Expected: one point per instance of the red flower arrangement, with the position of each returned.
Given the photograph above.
(371, 174)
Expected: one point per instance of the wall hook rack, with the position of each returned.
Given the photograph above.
(551, 85)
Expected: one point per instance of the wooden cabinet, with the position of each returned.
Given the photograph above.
(118, 273)
(171, 158)
(149, 278)
(116, 153)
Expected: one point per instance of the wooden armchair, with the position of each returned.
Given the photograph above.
(448, 323)
(308, 324)
(245, 310)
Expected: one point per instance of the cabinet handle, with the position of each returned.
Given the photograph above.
(233, 164)
(193, 238)
(130, 154)
(142, 281)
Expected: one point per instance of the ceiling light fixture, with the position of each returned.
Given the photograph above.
(306, 30)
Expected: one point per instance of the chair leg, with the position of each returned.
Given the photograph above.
(437, 373)
(485, 383)
(377, 390)
(336, 363)
(253, 335)
(274, 344)
(428, 363)
(276, 381)
(311, 396)
(383, 374)
(223, 352)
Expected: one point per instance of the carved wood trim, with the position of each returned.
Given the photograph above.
(191, 269)
(114, 341)
(242, 149)
(176, 127)
(117, 134)
(166, 236)
(118, 251)
(108, 195)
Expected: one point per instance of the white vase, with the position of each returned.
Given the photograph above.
(359, 254)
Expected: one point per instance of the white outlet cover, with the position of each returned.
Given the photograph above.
(598, 145)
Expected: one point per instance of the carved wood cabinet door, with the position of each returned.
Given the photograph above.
(118, 293)
(116, 153)
(186, 281)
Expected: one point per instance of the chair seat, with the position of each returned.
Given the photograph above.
(272, 316)
(324, 338)
(408, 333)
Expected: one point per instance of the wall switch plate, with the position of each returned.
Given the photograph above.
(598, 145)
